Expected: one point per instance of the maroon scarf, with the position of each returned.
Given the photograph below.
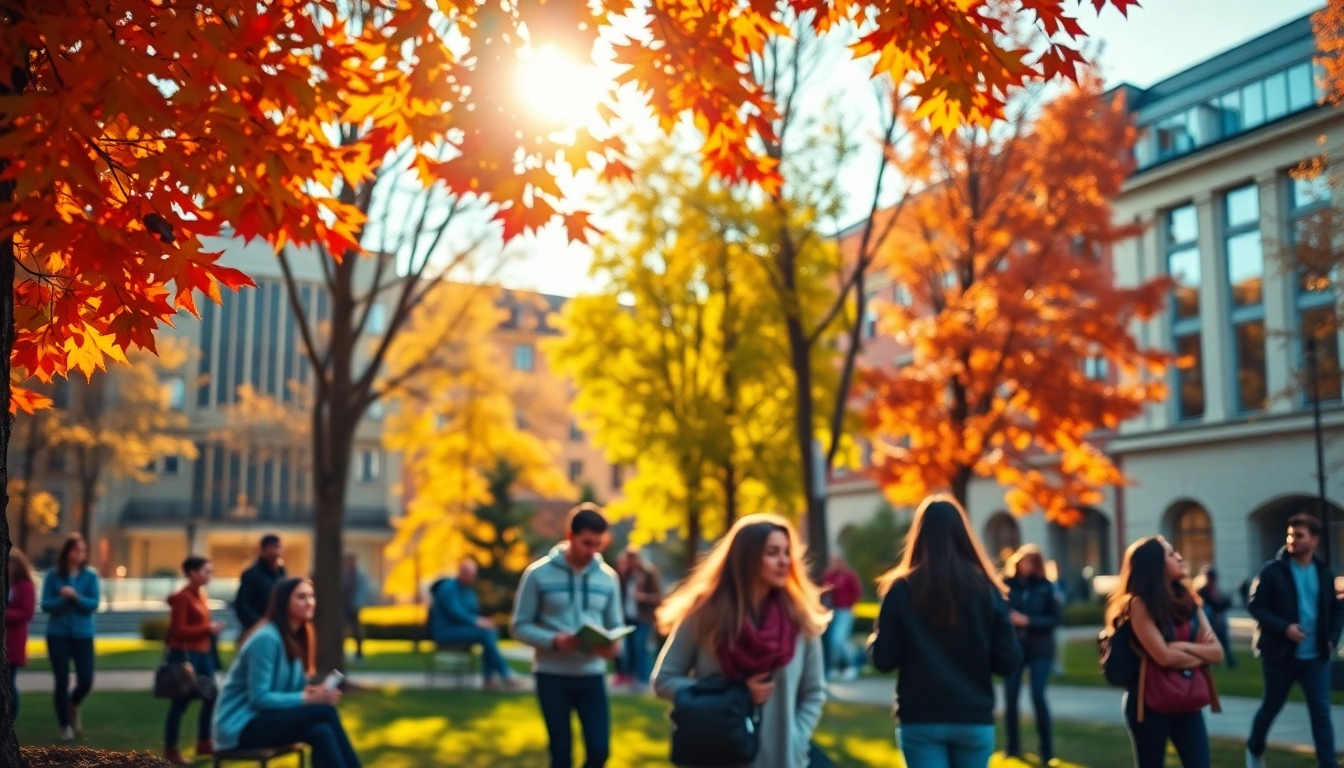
(761, 648)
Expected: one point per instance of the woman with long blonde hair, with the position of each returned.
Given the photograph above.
(944, 623)
(748, 612)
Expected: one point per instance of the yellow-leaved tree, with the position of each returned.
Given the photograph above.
(455, 418)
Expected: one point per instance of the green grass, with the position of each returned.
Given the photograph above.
(404, 729)
(1081, 668)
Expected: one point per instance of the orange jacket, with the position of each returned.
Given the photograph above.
(189, 623)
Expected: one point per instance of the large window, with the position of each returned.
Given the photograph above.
(524, 357)
(1246, 275)
(1182, 246)
(1275, 96)
(1311, 237)
(1192, 536)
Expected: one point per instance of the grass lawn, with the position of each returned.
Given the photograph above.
(1082, 668)
(408, 729)
(123, 654)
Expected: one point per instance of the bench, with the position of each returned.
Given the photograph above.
(261, 757)
(457, 659)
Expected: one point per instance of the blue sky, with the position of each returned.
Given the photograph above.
(1156, 41)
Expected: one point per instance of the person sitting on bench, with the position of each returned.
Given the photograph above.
(454, 619)
(265, 701)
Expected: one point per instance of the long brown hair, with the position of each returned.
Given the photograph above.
(19, 567)
(63, 560)
(943, 561)
(718, 590)
(1029, 552)
(1143, 575)
(299, 646)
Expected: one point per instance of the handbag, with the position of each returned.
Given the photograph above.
(1176, 691)
(175, 679)
(714, 723)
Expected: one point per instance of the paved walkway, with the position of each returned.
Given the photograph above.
(1292, 729)
(1067, 703)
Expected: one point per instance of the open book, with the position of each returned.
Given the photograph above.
(593, 638)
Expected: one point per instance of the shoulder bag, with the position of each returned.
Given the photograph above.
(1176, 691)
(714, 723)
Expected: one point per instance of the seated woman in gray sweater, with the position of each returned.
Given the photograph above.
(750, 613)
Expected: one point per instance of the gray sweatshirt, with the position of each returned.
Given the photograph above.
(554, 598)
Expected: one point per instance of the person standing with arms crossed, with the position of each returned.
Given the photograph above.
(557, 596)
(1298, 622)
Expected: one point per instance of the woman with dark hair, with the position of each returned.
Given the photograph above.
(1034, 609)
(18, 613)
(748, 612)
(70, 594)
(1166, 620)
(265, 701)
(944, 623)
(190, 632)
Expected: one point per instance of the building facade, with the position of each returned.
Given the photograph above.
(1221, 465)
(252, 475)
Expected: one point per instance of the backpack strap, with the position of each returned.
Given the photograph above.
(1143, 678)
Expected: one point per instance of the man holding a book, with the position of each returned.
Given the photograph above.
(568, 608)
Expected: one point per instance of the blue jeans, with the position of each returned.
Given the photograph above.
(837, 639)
(1314, 677)
(558, 696)
(1187, 733)
(946, 745)
(635, 653)
(491, 659)
(204, 663)
(62, 651)
(1012, 690)
(317, 725)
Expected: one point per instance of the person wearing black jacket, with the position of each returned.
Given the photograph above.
(1298, 621)
(944, 623)
(254, 588)
(1034, 610)
(1216, 605)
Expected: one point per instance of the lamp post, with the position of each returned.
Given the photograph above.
(1322, 507)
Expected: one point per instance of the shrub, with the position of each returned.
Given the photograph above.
(154, 628)
(1084, 614)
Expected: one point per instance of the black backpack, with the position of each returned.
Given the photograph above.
(714, 723)
(1120, 656)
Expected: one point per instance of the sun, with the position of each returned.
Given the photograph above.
(559, 89)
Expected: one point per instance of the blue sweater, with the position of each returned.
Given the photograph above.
(262, 678)
(452, 606)
(70, 617)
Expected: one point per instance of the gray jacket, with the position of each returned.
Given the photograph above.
(790, 716)
(554, 598)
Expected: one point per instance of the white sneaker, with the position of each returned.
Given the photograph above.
(67, 734)
(1254, 760)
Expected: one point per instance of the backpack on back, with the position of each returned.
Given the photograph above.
(1120, 656)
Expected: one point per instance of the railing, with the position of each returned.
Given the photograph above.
(127, 594)
(181, 513)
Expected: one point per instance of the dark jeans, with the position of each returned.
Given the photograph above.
(1220, 631)
(317, 725)
(492, 661)
(204, 663)
(62, 651)
(1039, 668)
(558, 696)
(1186, 733)
(635, 653)
(356, 631)
(1314, 677)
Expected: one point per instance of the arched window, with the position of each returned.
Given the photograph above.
(1002, 536)
(1192, 536)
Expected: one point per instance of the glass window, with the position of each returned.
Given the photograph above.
(1246, 268)
(1301, 93)
(1252, 105)
(1229, 106)
(1320, 324)
(1182, 226)
(524, 357)
(370, 466)
(1308, 193)
(1243, 207)
(1252, 390)
(575, 434)
(1276, 96)
(377, 322)
(575, 471)
(1183, 266)
(1194, 537)
(171, 464)
(176, 389)
(1189, 377)
(616, 478)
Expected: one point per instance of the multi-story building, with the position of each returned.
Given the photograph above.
(1231, 454)
(250, 479)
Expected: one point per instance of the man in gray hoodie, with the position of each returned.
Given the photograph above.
(557, 596)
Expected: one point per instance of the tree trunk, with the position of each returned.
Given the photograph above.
(729, 493)
(9, 743)
(29, 475)
(800, 359)
(961, 483)
(693, 534)
(86, 497)
(333, 437)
